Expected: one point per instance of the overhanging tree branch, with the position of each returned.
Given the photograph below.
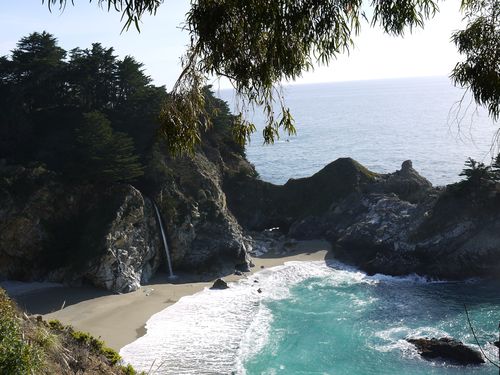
(477, 341)
(258, 44)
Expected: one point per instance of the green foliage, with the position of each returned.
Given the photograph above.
(129, 370)
(184, 116)
(104, 155)
(90, 113)
(132, 10)
(479, 176)
(97, 346)
(111, 355)
(475, 172)
(257, 44)
(495, 168)
(37, 63)
(45, 339)
(55, 325)
(29, 347)
(480, 45)
(17, 356)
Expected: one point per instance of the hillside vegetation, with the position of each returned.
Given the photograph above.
(33, 346)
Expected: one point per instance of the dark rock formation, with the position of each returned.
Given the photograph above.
(74, 233)
(259, 205)
(64, 230)
(219, 284)
(393, 223)
(397, 223)
(447, 349)
(203, 233)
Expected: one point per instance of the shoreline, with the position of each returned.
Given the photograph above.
(120, 319)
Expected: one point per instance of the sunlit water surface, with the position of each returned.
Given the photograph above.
(379, 123)
(317, 318)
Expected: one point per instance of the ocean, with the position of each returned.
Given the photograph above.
(326, 317)
(317, 318)
(380, 124)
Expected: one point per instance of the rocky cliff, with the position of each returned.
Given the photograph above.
(108, 235)
(203, 233)
(72, 233)
(395, 223)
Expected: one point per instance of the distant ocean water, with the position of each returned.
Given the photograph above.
(379, 123)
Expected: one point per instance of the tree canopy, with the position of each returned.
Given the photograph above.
(86, 113)
(71, 111)
(257, 44)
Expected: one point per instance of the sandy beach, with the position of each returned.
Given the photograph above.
(120, 319)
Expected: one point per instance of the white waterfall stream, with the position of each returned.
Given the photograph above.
(164, 238)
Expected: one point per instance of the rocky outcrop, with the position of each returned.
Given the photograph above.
(447, 349)
(410, 227)
(259, 205)
(395, 223)
(219, 284)
(203, 233)
(59, 229)
(131, 248)
(75, 233)
(52, 227)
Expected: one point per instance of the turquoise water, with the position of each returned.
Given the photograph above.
(350, 326)
(317, 318)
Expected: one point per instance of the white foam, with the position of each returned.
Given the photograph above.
(255, 338)
(395, 339)
(216, 331)
(355, 273)
(411, 278)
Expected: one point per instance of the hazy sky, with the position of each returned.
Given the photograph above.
(161, 41)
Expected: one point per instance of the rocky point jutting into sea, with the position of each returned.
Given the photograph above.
(212, 202)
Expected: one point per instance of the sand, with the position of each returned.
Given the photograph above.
(120, 318)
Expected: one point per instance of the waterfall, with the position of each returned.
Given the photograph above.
(164, 237)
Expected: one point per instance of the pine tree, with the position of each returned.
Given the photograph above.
(103, 155)
(476, 173)
(495, 168)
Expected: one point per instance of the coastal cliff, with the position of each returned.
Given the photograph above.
(395, 223)
(108, 235)
(81, 172)
(53, 230)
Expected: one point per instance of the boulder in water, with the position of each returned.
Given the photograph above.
(447, 349)
(219, 284)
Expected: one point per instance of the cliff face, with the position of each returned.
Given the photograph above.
(73, 233)
(108, 235)
(259, 205)
(203, 233)
(393, 223)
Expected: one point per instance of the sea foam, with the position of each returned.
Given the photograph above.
(216, 331)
